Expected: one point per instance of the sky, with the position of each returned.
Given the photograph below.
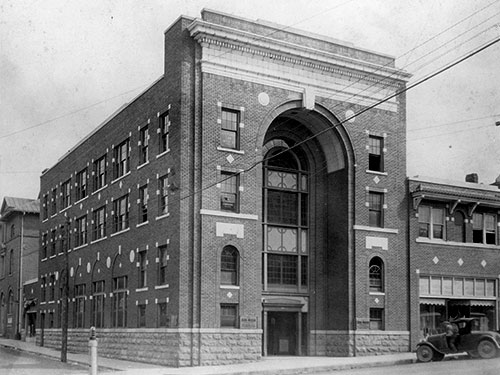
(65, 66)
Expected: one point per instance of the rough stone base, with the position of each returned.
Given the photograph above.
(358, 343)
(168, 347)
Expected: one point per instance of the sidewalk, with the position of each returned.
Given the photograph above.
(266, 366)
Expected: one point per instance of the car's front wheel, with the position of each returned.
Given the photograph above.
(486, 349)
(425, 353)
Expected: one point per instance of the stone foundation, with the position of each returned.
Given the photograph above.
(168, 347)
(358, 343)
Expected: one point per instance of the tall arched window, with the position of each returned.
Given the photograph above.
(12, 231)
(10, 303)
(376, 275)
(285, 225)
(229, 266)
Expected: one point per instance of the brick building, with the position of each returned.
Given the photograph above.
(18, 264)
(454, 262)
(250, 202)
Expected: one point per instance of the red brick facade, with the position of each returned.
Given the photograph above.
(263, 255)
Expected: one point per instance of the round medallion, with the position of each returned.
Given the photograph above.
(263, 98)
(349, 116)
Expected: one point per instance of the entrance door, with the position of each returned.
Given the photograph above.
(282, 333)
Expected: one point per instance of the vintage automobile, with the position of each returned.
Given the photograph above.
(478, 344)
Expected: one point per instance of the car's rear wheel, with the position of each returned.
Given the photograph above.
(486, 349)
(425, 353)
(473, 354)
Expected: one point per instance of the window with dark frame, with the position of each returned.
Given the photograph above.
(119, 302)
(100, 173)
(375, 153)
(11, 261)
(484, 228)
(162, 265)
(64, 239)
(163, 320)
(44, 245)
(99, 225)
(81, 184)
(376, 269)
(120, 214)
(144, 145)
(98, 297)
(229, 266)
(163, 197)
(230, 126)
(143, 204)
(79, 306)
(53, 241)
(229, 315)
(141, 315)
(45, 206)
(164, 132)
(52, 288)
(122, 159)
(53, 202)
(66, 194)
(81, 231)
(431, 222)
(376, 319)
(142, 274)
(375, 205)
(229, 198)
(43, 289)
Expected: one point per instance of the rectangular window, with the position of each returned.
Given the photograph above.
(45, 206)
(143, 263)
(81, 231)
(282, 207)
(120, 214)
(162, 265)
(81, 184)
(141, 315)
(484, 228)
(64, 239)
(100, 173)
(53, 202)
(99, 225)
(44, 245)
(164, 132)
(119, 308)
(98, 293)
(376, 319)
(144, 145)
(79, 304)
(229, 199)
(375, 202)
(375, 154)
(143, 204)
(65, 194)
(53, 241)
(230, 125)
(162, 315)
(52, 288)
(121, 159)
(43, 289)
(431, 222)
(282, 269)
(163, 197)
(229, 315)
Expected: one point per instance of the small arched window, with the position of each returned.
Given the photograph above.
(376, 275)
(10, 303)
(12, 231)
(229, 266)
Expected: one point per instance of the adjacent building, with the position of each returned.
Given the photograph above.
(454, 248)
(250, 202)
(19, 250)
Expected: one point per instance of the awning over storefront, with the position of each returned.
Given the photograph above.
(476, 302)
(433, 301)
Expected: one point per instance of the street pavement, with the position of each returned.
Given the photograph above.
(266, 366)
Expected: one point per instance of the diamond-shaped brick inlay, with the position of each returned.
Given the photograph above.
(376, 179)
(377, 300)
(483, 263)
(230, 159)
(460, 262)
(435, 260)
(229, 294)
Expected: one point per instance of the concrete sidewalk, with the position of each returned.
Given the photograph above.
(266, 366)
